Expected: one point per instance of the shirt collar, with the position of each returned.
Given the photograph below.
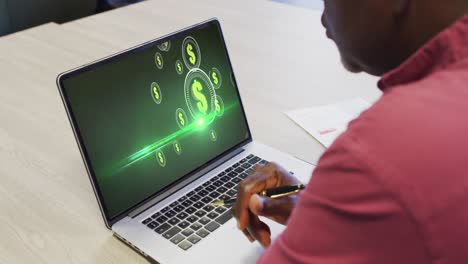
(447, 48)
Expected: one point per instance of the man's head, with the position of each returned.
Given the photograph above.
(376, 36)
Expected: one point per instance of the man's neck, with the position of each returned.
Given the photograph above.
(430, 18)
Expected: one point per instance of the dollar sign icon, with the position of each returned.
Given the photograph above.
(161, 158)
(178, 67)
(213, 135)
(165, 46)
(191, 54)
(200, 96)
(159, 60)
(218, 107)
(177, 148)
(181, 119)
(202, 103)
(156, 93)
(215, 78)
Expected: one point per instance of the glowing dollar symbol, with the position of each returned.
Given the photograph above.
(158, 58)
(181, 119)
(213, 135)
(215, 78)
(218, 107)
(177, 149)
(156, 93)
(161, 159)
(193, 58)
(202, 103)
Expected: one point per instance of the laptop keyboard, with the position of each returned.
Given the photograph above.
(191, 218)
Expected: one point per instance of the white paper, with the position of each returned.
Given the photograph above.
(326, 123)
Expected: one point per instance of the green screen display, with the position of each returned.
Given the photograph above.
(151, 116)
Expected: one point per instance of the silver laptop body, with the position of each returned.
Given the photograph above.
(169, 222)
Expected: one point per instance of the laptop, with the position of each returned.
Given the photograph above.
(163, 133)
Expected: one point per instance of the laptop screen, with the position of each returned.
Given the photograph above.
(152, 115)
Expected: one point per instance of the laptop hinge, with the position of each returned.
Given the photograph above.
(185, 182)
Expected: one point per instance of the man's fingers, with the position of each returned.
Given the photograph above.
(263, 177)
(241, 207)
(255, 183)
(248, 235)
(247, 208)
(265, 206)
(259, 230)
(256, 204)
(276, 209)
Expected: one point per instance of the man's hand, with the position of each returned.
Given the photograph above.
(249, 205)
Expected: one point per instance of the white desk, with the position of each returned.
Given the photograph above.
(49, 214)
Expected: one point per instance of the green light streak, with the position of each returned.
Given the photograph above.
(200, 122)
(197, 125)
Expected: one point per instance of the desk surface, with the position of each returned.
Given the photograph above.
(282, 61)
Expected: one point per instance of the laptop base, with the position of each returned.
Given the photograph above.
(225, 244)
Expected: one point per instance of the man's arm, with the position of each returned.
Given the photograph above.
(346, 215)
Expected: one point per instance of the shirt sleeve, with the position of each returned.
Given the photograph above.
(346, 216)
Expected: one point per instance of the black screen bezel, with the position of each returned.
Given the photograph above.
(110, 220)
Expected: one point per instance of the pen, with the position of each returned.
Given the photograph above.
(274, 193)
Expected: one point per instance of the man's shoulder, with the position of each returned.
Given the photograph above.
(413, 140)
(426, 112)
(415, 133)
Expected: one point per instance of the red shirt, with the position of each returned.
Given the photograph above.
(393, 189)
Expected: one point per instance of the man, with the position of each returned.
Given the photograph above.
(394, 187)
